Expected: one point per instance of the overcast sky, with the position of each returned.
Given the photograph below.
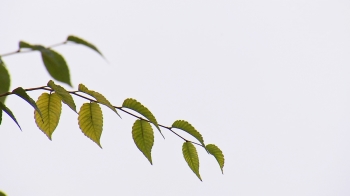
(266, 81)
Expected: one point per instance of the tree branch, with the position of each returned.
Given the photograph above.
(76, 93)
(30, 50)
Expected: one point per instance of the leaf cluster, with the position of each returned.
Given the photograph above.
(47, 108)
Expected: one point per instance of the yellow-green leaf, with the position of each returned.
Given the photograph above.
(191, 157)
(64, 95)
(187, 127)
(99, 97)
(217, 153)
(139, 108)
(4, 80)
(83, 42)
(142, 134)
(90, 121)
(9, 112)
(50, 106)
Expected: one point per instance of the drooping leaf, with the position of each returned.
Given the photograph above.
(50, 106)
(56, 65)
(64, 95)
(23, 94)
(99, 97)
(142, 134)
(83, 42)
(191, 157)
(4, 80)
(90, 121)
(2, 193)
(9, 112)
(53, 61)
(139, 108)
(187, 127)
(217, 153)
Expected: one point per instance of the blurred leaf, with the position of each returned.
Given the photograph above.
(142, 134)
(50, 106)
(83, 42)
(187, 127)
(139, 108)
(99, 97)
(4, 80)
(217, 153)
(2, 193)
(90, 121)
(8, 112)
(23, 94)
(56, 65)
(23, 44)
(65, 96)
(191, 157)
(0, 116)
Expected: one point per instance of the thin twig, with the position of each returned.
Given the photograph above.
(30, 50)
(76, 93)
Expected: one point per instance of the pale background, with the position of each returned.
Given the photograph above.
(267, 81)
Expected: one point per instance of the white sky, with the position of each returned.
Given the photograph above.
(266, 81)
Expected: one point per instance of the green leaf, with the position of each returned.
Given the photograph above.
(4, 80)
(8, 112)
(142, 134)
(99, 97)
(23, 44)
(139, 108)
(65, 96)
(53, 61)
(187, 127)
(23, 94)
(56, 65)
(83, 42)
(191, 157)
(217, 153)
(50, 106)
(90, 121)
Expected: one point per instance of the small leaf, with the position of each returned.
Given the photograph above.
(99, 97)
(187, 127)
(4, 80)
(23, 94)
(83, 42)
(217, 153)
(90, 121)
(142, 134)
(139, 108)
(33, 47)
(50, 106)
(191, 157)
(23, 44)
(56, 65)
(8, 112)
(64, 95)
